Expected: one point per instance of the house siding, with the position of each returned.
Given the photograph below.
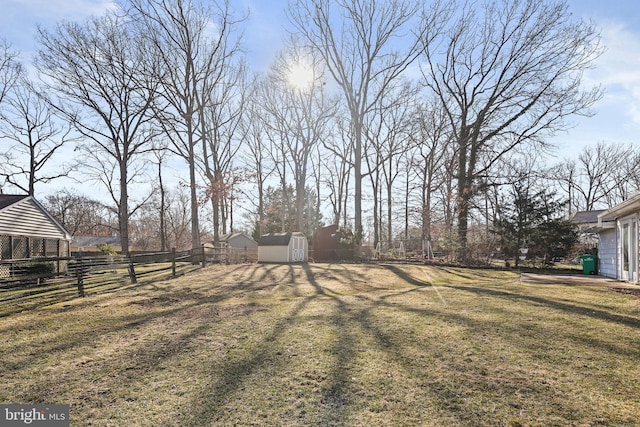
(607, 253)
(25, 218)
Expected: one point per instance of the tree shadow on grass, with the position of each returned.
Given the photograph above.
(233, 372)
(460, 377)
(512, 297)
(336, 396)
(335, 389)
(405, 276)
(569, 308)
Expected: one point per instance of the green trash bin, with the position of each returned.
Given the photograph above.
(589, 264)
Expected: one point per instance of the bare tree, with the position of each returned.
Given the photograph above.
(361, 56)
(221, 137)
(276, 132)
(565, 176)
(625, 176)
(81, 215)
(507, 77)
(298, 112)
(27, 121)
(600, 177)
(178, 217)
(433, 154)
(338, 164)
(388, 138)
(192, 43)
(256, 155)
(10, 68)
(97, 71)
(160, 154)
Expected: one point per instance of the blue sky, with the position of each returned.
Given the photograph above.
(617, 116)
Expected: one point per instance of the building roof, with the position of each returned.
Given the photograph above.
(82, 241)
(275, 239)
(23, 215)
(7, 200)
(278, 239)
(586, 217)
(631, 205)
(230, 236)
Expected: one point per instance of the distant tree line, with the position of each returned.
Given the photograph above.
(395, 120)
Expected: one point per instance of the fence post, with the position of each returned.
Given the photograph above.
(132, 270)
(80, 274)
(173, 261)
(204, 257)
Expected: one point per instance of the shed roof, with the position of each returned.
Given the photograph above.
(277, 239)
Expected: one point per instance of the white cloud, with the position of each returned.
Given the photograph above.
(618, 68)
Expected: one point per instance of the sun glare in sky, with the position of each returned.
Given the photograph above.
(301, 75)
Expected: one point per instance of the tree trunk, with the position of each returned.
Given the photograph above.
(195, 226)
(123, 209)
(357, 197)
(163, 231)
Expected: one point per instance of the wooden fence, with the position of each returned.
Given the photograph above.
(29, 283)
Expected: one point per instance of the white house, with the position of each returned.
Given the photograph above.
(283, 248)
(619, 240)
(28, 231)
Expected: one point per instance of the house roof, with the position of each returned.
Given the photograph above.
(277, 239)
(230, 236)
(586, 217)
(7, 200)
(631, 205)
(34, 219)
(82, 241)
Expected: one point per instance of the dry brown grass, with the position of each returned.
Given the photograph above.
(332, 345)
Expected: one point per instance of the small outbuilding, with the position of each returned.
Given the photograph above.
(331, 243)
(238, 240)
(283, 248)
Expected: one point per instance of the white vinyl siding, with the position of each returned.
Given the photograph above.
(25, 218)
(607, 253)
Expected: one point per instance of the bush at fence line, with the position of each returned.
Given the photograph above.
(107, 249)
(36, 269)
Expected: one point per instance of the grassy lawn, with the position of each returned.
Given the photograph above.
(332, 345)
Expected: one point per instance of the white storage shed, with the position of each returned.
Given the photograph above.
(283, 248)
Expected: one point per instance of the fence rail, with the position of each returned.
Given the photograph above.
(29, 283)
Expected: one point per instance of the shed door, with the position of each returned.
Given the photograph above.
(297, 249)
